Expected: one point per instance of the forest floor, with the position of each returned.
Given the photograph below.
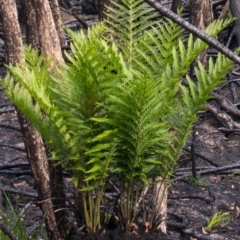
(190, 203)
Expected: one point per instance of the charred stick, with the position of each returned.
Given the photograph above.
(203, 157)
(212, 170)
(193, 158)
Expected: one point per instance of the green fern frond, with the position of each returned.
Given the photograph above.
(194, 97)
(135, 111)
(127, 23)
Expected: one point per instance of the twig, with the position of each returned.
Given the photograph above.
(85, 26)
(223, 118)
(226, 83)
(194, 170)
(203, 157)
(232, 86)
(22, 149)
(20, 192)
(194, 30)
(13, 165)
(11, 126)
(208, 201)
(211, 170)
(226, 104)
(17, 173)
(7, 110)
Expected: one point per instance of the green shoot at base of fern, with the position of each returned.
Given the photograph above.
(118, 107)
(13, 221)
(199, 182)
(219, 219)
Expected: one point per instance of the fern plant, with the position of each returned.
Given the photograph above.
(118, 108)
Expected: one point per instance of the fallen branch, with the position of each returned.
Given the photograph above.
(205, 199)
(211, 170)
(10, 126)
(19, 192)
(223, 118)
(7, 110)
(84, 24)
(226, 104)
(203, 157)
(22, 149)
(13, 165)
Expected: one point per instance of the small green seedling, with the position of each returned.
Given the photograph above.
(219, 218)
(199, 182)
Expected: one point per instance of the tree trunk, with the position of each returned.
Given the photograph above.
(58, 21)
(159, 199)
(55, 172)
(33, 141)
(31, 24)
(48, 37)
(11, 31)
(201, 15)
(102, 8)
(176, 5)
(235, 8)
(40, 169)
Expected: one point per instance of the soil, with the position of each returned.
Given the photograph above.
(191, 202)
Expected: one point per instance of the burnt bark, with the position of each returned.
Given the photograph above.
(235, 8)
(33, 142)
(58, 21)
(11, 31)
(31, 24)
(102, 9)
(48, 37)
(176, 5)
(55, 185)
(201, 14)
(39, 165)
(58, 197)
(159, 198)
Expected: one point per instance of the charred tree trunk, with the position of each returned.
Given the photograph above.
(235, 8)
(176, 5)
(58, 21)
(40, 169)
(33, 141)
(102, 8)
(11, 31)
(55, 172)
(48, 37)
(201, 15)
(159, 199)
(31, 24)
